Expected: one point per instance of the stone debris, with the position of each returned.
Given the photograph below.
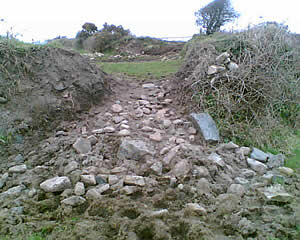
(79, 189)
(276, 193)
(134, 149)
(88, 179)
(134, 180)
(194, 209)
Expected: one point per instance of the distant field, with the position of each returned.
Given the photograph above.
(143, 69)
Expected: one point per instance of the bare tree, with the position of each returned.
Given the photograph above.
(214, 15)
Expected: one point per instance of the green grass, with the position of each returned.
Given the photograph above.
(143, 69)
(294, 160)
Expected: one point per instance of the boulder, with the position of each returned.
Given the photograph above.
(206, 125)
(134, 150)
(56, 184)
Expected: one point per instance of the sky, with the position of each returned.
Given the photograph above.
(39, 20)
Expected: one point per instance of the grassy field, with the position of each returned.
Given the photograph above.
(143, 69)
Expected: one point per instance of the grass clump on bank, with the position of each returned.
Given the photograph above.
(147, 69)
(257, 105)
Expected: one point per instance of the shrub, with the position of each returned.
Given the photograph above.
(261, 95)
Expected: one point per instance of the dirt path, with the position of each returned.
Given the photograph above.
(136, 168)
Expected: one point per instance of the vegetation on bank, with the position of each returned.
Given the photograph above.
(257, 105)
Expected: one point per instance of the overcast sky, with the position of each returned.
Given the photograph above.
(39, 20)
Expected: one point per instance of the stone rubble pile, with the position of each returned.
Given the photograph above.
(138, 147)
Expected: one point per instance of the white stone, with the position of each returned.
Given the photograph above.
(116, 108)
(215, 69)
(286, 171)
(79, 189)
(88, 179)
(149, 85)
(18, 169)
(191, 208)
(134, 180)
(232, 66)
(124, 132)
(156, 137)
(103, 188)
(159, 213)
(113, 179)
(109, 130)
(124, 126)
(56, 184)
(236, 189)
(157, 168)
(257, 166)
(147, 129)
(128, 190)
(167, 123)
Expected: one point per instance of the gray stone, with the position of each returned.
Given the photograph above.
(93, 140)
(171, 155)
(118, 119)
(147, 129)
(18, 169)
(128, 190)
(286, 171)
(103, 188)
(167, 123)
(56, 184)
(116, 108)
(194, 209)
(82, 146)
(149, 85)
(257, 166)
(213, 69)
(19, 158)
(246, 227)
(236, 189)
(3, 100)
(232, 66)
(247, 173)
(159, 213)
(181, 169)
(275, 161)
(243, 152)
(93, 194)
(156, 137)
(74, 201)
(215, 158)
(17, 210)
(276, 193)
(113, 179)
(206, 125)
(227, 203)
(201, 171)
(259, 155)
(157, 168)
(134, 180)
(134, 150)
(79, 189)
(240, 180)
(124, 132)
(71, 167)
(88, 179)
(203, 186)
(109, 129)
(12, 192)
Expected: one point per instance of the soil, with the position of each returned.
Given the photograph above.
(159, 207)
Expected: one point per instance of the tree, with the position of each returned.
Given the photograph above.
(89, 27)
(215, 15)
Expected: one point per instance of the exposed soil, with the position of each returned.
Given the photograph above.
(184, 187)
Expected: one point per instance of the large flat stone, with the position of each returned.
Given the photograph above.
(206, 125)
